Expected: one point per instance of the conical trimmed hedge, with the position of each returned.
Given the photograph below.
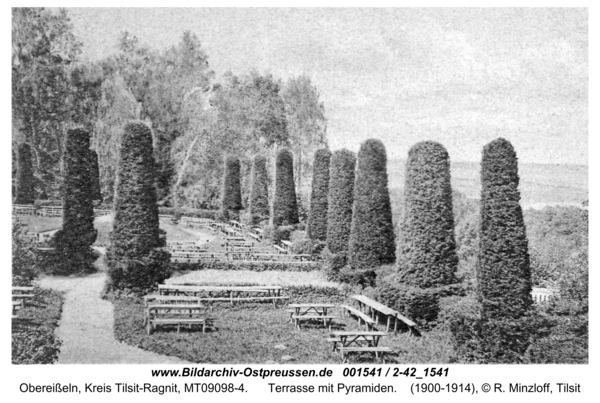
(503, 272)
(95, 175)
(317, 217)
(427, 250)
(259, 190)
(285, 205)
(372, 240)
(133, 259)
(340, 200)
(231, 194)
(25, 191)
(73, 242)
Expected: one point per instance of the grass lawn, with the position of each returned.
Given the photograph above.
(258, 333)
(231, 277)
(38, 223)
(33, 339)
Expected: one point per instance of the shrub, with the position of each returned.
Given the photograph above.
(503, 272)
(34, 340)
(73, 242)
(285, 207)
(24, 268)
(427, 249)
(358, 277)
(252, 266)
(340, 201)
(276, 235)
(419, 304)
(372, 232)
(317, 218)
(259, 192)
(231, 194)
(25, 191)
(132, 259)
(333, 263)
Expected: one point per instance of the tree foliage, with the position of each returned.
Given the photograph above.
(340, 200)
(372, 233)
(51, 91)
(306, 124)
(285, 207)
(503, 272)
(317, 218)
(25, 189)
(259, 196)
(94, 175)
(73, 242)
(133, 259)
(231, 196)
(427, 249)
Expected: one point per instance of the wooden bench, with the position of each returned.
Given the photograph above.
(376, 308)
(254, 236)
(377, 350)
(362, 317)
(176, 314)
(279, 249)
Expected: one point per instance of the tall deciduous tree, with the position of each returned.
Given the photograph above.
(285, 207)
(259, 190)
(25, 190)
(427, 249)
(307, 125)
(372, 233)
(134, 261)
(51, 91)
(73, 243)
(317, 218)
(503, 272)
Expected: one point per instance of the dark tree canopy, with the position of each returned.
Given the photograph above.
(259, 192)
(427, 250)
(285, 206)
(94, 175)
(231, 194)
(372, 233)
(135, 231)
(503, 272)
(73, 243)
(341, 199)
(25, 191)
(317, 218)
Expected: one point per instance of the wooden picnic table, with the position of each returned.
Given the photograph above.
(225, 293)
(375, 308)
(316, 311)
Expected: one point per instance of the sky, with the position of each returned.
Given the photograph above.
(462, 77)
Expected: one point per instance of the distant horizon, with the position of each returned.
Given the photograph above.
(459, 76)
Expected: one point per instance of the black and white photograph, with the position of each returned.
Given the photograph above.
(297, 186)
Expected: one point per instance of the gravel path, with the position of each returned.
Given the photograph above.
(86, 325)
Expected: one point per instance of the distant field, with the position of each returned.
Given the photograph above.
(541, 184)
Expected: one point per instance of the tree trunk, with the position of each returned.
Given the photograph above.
(181, 172)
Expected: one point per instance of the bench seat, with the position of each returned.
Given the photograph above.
(153, 323)
(325, 318)
(362, 317)
(377, 350)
